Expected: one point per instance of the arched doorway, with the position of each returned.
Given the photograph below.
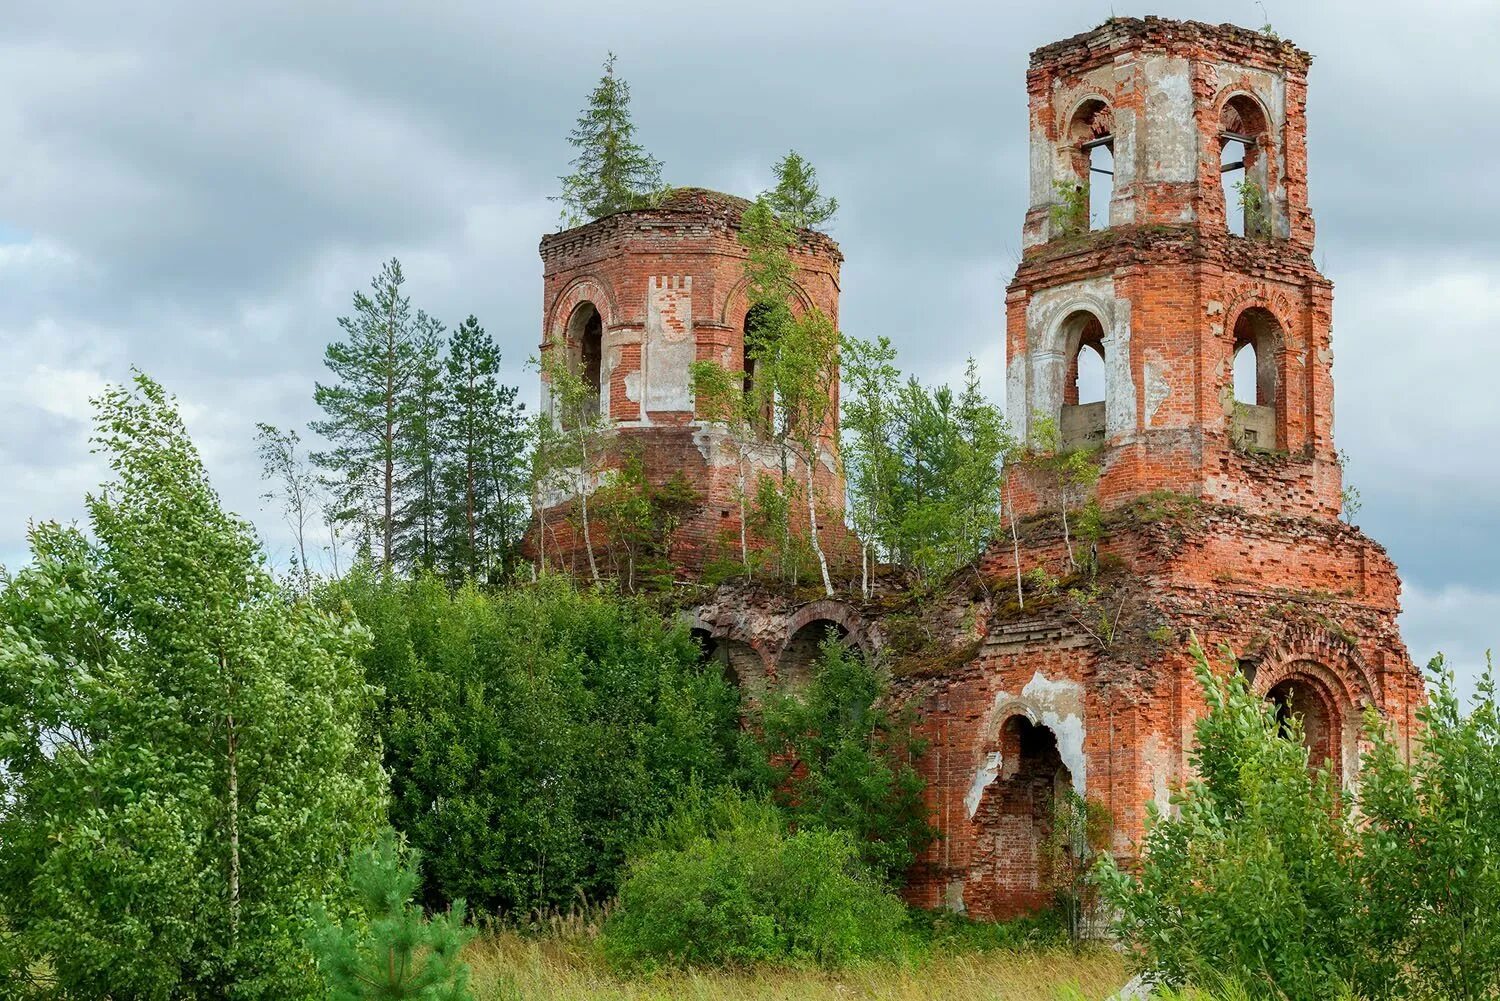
(740, 664)
(799, 658)
(1013, 822)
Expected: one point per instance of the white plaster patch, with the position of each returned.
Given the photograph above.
(1158, 764)
(953, 896)
(1047, 345)
(1157, 389)
(982, 778)
(669, 346)
(1059, 708)
(1171, 132)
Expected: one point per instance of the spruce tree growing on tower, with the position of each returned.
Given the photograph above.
(796, 199)
(612, 171)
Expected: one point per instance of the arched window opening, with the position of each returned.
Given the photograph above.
(1257, 339)
(585, 338)
(1014, 818)
(752, 346)
(1085, 384)
(1302, 698)
(799, 658)
(1243, 136)
(1091, 133)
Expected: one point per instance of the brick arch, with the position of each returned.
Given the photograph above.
(1055, 337)
(829, 610)
(1230, 91)
(1333, 672)
(737, 302)
(1301, 645)
(1260, 296)
(731, 633)
(584, 288)
(1076, 100)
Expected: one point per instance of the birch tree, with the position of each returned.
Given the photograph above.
(182, 758)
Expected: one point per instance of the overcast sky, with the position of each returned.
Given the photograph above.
(197, 189)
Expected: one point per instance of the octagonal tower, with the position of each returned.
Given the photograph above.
(634, 299)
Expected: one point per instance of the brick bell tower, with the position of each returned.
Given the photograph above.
(634, 299)
(1167, 248)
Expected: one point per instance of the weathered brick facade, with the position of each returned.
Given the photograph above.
(668, 285)
(1215, 518)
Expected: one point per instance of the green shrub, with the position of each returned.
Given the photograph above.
(532, 734)
(1270, 883)
(1430, 847)
(1253, 879)
(840, 760)
(748, 890)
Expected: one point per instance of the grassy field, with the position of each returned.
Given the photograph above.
(511, 967)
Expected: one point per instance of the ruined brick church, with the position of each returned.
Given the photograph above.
(1220, 516)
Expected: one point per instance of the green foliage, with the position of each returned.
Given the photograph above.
(734, 886)
(295, 486)
(1349, 498)
(183, 764)
(638, 518)
(1256, 208)
(786, 410)
(377, 420)
(1428, 861)
(796, 199)
(483, 437)
(532, 734)
(1072, 473)
(923, 464)
(612, 172)
(569, 444)
(1070, 208)
(1270, 884)
(391, 951)
(841, 761)
(1078, 840)
(1253, 878)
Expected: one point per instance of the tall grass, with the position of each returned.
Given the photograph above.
(510, 966)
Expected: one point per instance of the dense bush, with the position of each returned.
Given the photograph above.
(1271, 883)
(532, 734)
(840, 760)
(744, 888)
(183, 765)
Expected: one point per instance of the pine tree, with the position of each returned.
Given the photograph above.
(484, 473)
(394, 952)
(377, 370)
(796, 199)
(612, 172)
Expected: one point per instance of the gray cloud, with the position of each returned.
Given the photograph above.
(198, 188)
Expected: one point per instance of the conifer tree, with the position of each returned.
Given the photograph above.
(612, 171)
(419, 453)
(484, 477)
(378, 370)
(394, 952)
(795, 199)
